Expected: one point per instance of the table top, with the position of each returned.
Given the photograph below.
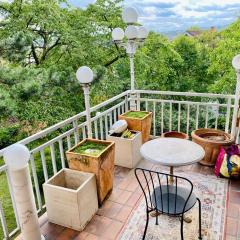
(172, 152)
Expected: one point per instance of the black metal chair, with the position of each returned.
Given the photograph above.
(164, 195)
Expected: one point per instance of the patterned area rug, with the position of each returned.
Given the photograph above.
(213, 194)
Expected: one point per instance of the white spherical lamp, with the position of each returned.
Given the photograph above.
(16, 156)
(84, 75)
(130, 15)
(142, 32)
(117, 34)
(131, 32)
(236, 62)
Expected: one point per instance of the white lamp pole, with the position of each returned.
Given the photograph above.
(236, 65)
(135, 37)
(85, 77)
(16, 158)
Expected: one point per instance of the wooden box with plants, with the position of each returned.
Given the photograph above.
(139, 121)
(71, 198)
(129, 143)
(95, 156)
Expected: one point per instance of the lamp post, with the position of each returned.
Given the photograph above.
(135, 37)
(85, 77)
(236, 65)
(16, 158)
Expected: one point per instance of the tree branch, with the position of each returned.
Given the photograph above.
(34, 54)
(114, 60)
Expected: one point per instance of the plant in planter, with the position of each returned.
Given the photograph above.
(129, 143)
(71, 198)
(139, 121)
(95, 156)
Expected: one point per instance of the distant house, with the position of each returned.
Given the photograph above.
(194, 33)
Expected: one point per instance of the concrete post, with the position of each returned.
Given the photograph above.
(16, 158)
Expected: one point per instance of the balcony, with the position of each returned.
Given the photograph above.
(179, 111)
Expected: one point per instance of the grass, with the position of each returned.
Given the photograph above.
(90, 148)
(7, 204)
(138, 114)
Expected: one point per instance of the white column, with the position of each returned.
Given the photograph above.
(236, 65)
(131, 50)
(86, 89)
(16, 158)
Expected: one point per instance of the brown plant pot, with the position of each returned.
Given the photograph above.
(175, 134)
(211, 140)
(102, 165)
(139, 124)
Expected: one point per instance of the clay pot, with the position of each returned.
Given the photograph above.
(175, 134)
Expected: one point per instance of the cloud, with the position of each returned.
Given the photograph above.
(178, 15)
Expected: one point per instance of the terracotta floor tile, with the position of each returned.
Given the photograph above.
(109, 209)
(228, 237)
(232, 227)
(98, 225)
(233, 210)
(51, 230)
(133, 199)
(124, 213)
(235, 185)
(86, 236)
(113, 230)
(120, 196)
(67, 234)
(234, 197)
(130, 184)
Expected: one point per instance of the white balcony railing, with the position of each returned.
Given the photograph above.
(171, 111)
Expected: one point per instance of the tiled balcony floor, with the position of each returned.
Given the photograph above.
(112, 216)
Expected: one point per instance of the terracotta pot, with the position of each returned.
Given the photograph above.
(139, 124)
(211, 140)
(175, 134)
(102, 165)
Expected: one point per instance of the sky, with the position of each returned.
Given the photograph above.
(173, 16)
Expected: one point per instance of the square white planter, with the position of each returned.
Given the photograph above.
(127, 151)
(71, 198)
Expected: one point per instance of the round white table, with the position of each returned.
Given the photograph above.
(172, 152)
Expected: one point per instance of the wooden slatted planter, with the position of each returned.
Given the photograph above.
(142, 124)
(71, 198)
(101, 164)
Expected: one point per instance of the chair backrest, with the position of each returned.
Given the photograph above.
(164, 189)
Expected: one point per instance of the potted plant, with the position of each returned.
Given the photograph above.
(211, 140)
(129, 143)
(71, 198)
(139, 121)
(175, 134)
(95, 156)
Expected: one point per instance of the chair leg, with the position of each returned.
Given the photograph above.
(146, 226)
(200, 219)
(157, 214)
(182, 217)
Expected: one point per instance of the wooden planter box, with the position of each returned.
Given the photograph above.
(211, 146)
(127, 151)
(71, 198)
(139, 124)
(102, 166)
